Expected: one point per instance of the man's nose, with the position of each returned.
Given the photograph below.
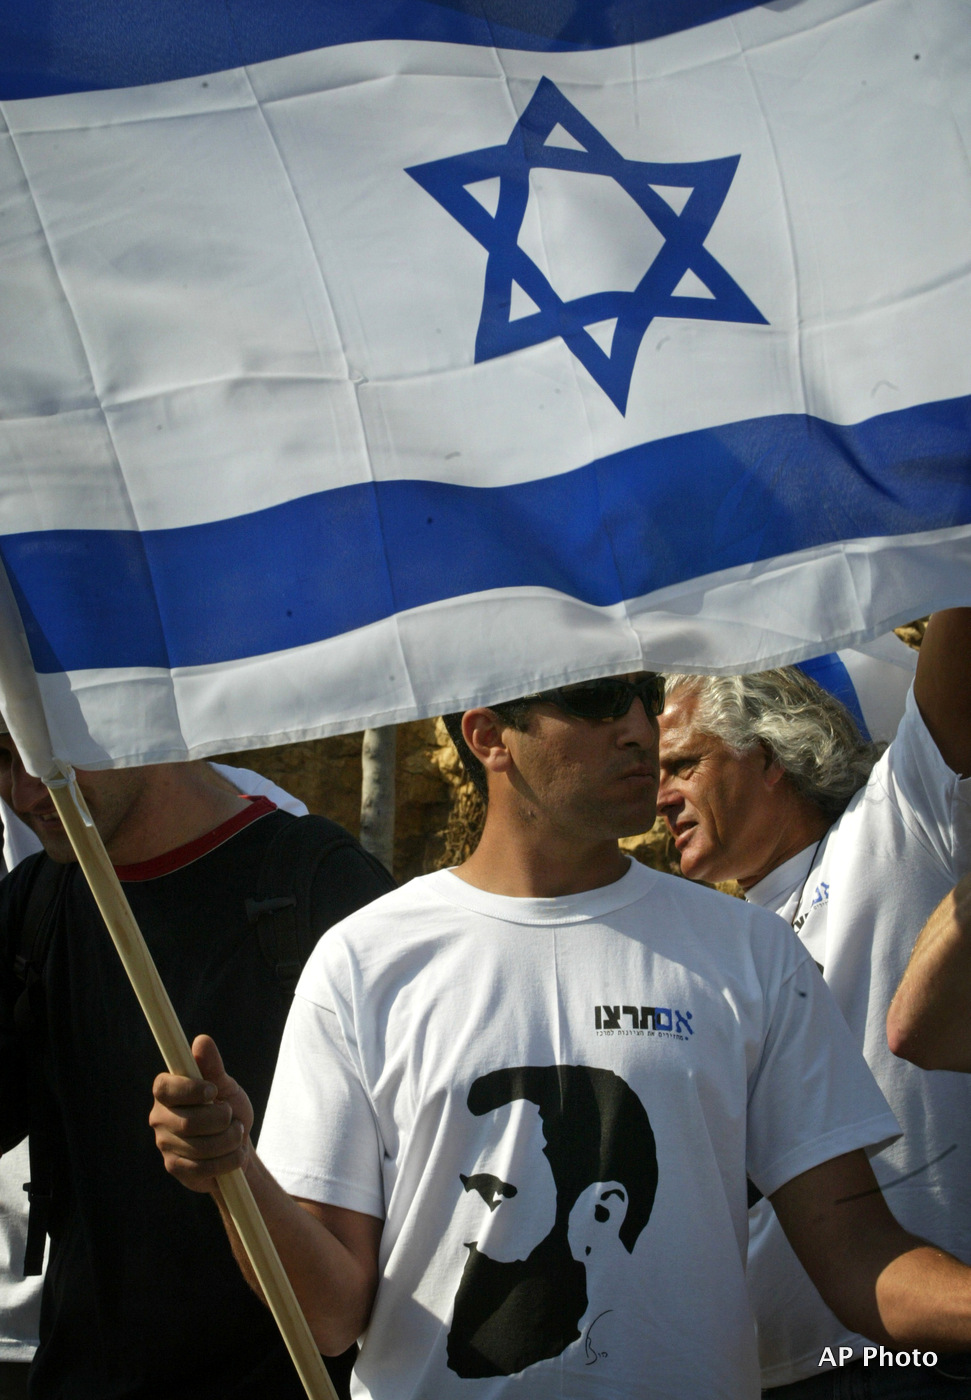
(638, 727)
(669, 799)
(26, 792)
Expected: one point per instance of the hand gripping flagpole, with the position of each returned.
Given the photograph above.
(171, 1040)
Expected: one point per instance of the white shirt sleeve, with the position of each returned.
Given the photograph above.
(933, 801)
(320, 1137)
(812, 1096)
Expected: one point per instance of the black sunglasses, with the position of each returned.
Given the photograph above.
(605, 699)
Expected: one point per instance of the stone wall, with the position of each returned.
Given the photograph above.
(326, 774)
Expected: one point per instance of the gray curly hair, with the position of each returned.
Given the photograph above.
(811, 734)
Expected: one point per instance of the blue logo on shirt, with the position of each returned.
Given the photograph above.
(630, 1020)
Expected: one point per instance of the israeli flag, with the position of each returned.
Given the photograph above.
(365, 361)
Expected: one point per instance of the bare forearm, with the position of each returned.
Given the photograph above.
(878, 1279)
(923, 1299)
(897, 1289)
(334, 1288)
(202, 1129)
(929, 1021)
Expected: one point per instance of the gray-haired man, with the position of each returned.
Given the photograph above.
(765, 780)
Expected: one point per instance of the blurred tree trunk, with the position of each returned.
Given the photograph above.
(377, 793)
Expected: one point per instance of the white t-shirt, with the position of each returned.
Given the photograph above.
(858, 902)
(500, 1078)
(19, 1296)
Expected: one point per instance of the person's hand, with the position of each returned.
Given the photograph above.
(202, 1126)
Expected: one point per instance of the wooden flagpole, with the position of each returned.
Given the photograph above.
(176, 1052)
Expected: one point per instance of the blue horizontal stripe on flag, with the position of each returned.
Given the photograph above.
(620, 527)
(76, 45)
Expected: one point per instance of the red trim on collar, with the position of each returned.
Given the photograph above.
(201, 846)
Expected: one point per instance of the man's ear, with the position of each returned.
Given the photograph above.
(596, 1218)
(482, 730)
(774, 771)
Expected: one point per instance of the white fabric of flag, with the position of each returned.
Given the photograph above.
(444, 360)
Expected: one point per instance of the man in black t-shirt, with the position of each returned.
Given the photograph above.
(134, 1260)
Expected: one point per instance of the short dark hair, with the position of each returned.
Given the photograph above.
(513, 712)
(596, 1129)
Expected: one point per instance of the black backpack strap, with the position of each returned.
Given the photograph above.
(287, 923)
(36, 932)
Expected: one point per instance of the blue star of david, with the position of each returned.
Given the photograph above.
(684, 234)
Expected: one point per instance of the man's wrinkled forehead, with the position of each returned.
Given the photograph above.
(680, 734)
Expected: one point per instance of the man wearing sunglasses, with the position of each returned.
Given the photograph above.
(517, 1101)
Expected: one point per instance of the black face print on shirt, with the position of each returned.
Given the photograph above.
(511, 1314)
